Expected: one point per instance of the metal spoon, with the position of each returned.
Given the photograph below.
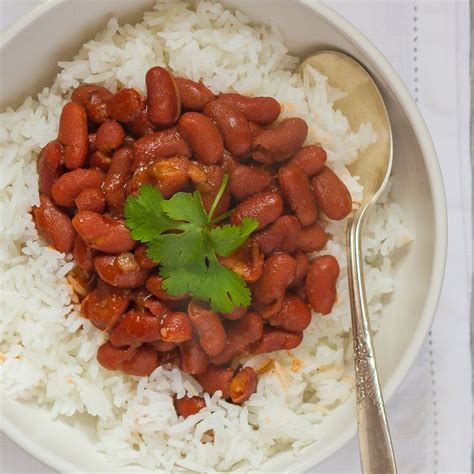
(363, 104)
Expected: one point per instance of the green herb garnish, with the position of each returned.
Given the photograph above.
(185, 241)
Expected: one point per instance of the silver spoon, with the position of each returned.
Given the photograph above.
(363, 104)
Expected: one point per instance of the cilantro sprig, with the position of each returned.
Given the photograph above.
(186, 242)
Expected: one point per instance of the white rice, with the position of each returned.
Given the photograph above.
(47, 351)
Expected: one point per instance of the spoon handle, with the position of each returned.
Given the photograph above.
(375, 445)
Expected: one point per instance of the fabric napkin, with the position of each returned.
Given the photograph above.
(430, 415)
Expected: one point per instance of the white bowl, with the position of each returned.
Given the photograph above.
(30, 50)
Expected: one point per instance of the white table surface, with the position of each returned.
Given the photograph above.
(447, 456)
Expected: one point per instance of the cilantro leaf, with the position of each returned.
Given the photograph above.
(185, 207)
(144, 215)
(227, 238)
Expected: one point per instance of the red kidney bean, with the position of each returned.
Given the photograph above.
(50, 163)
(176, 327)
(193, 358)
(310, 159)
(105, 305)
(294, 315)
(301, 292)
(163, 346)
(102, 232)
(156, 307)
(126, 105)
(100, 160)
(142, 363)
(266, 207)
(73, 135)
(112, 358)
(188, 406)
(117, 177)
(136, 328)
(233, 126)
(281, 236)
(261, 110)
(171, 357)
(214, 379)
(139, 297)
(240, 334)
(91, 199)
(208, 327)
(321, 283)
(255, 130)
(246, 261)
(275, 339)
(83, 255)
(229, 162)
(243, 385)
(209, 189)
(194, 95)
(91, 138)
(54, 225)
(110, 136)
(302, 267)
(108, 269)
(94, 99)
(68, 187)
(269, 291)
(296, 189)
(142, 258)
(159, 145)
(279, 143)
(203, 136)
(312, 238)
(247, 180)
(154, 285)
(164, 103)
(236, 313)
(141, 125)
(331, 194)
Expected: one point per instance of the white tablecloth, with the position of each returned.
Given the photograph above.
(430, 416)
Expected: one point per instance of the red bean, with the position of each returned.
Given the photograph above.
(140, 296)
(156, 307)
(294, 314)
(141, 125)
(243, 385)
(50, 163)
(269, 291)
(102, 232)
(210, 188)
(266, 207)
(321, 283)
(176, 328)
(193, 358)
(164, 103)
(302, 267)
(73, 135)
(105, 305)
(94, 99)
(312, 238)
(281, 236)
(247, 180)
(279, 143)
(110, 136)
(188, 406)
(331, 194)
(246, 261)
(233, 126)
(214, 379)
(117, 177)
(142, 363)
(236, 313)
(68, 187)
(194, 95)
(54, 225)
(125, 105)
(100, 160)
(203, 136)
(112, 358)
(275, 339)
(208, 327)
(163, 346)
(296, 189)
(136, 328)
(91, 199)
(143, 260)
(154, 284)
(83, 255)
(261, 110)
(310, 159)
(109, 270)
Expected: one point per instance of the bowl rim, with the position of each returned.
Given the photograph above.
(428, 152)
